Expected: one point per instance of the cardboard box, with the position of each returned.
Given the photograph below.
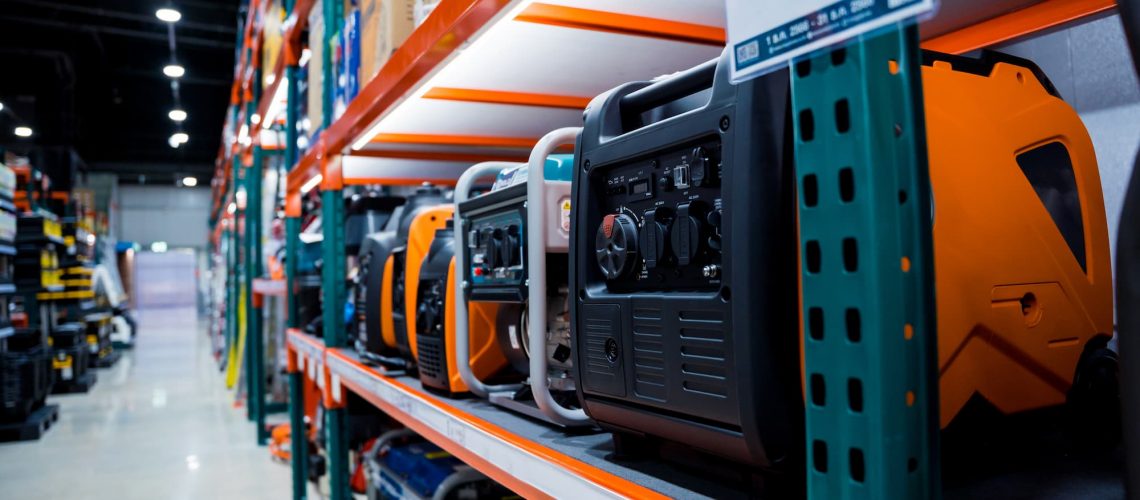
(384, 24)
(273, 37)
(317, 48)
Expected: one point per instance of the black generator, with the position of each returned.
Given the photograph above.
(375, 250)
(684, 265)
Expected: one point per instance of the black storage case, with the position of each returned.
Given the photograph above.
(25, 375)
(683, 265)
(68, 340)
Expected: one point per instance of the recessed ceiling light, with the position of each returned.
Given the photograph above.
(174, 71)
(168, 15)
(180, 137)
(189, 181)
(1, 106)
(23, 132)
(177, 115)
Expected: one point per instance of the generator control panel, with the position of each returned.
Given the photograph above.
(661, 223)
(495, 245)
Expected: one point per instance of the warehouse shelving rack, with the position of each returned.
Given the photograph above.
(423, 118)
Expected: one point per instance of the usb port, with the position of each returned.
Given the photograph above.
(681, 177)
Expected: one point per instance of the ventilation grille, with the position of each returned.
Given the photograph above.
(649, 378)
(704, 368)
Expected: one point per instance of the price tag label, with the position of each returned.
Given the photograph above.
(335, 381)
(763, 35)
(403, 403)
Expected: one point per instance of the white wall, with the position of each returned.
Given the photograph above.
(177, 215)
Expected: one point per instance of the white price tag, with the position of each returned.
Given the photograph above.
(764, 35)
(335, 381)
(317, 372)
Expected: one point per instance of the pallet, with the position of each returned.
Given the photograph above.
(31, 428)
(79, 385)
(109, 360)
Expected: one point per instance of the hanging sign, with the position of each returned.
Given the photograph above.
(764, 35)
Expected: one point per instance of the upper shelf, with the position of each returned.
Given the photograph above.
(484, 79)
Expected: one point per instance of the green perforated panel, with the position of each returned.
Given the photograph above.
(867, 270)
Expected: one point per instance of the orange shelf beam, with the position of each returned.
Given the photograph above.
(441, 156)
(502, 97)
(624, 24)
(1033, 19)
(457, 140)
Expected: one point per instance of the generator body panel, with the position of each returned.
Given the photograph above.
(683, 268)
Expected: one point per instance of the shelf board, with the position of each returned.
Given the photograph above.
(269, 287)
(310, 354)
(531, 457)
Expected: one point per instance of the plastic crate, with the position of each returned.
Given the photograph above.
(25, 379)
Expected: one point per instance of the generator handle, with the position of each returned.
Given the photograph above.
(536, 275)
(662, 92)
(462, 331)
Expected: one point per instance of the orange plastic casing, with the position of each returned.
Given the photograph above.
(420, 234)
(486, 358)
(1015, 308)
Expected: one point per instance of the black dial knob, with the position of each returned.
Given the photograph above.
(615, 245)
(686, 234)
(651, 239)
(699, 166)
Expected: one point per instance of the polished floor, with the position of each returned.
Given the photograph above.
(159, 424)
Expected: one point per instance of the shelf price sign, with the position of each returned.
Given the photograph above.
(765, 34)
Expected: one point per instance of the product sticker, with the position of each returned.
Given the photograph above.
(763, 35)
(565, 215)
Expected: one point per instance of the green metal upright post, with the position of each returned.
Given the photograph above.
(254, 334)
(333, 273)
(868, 279)
(333, 293)
(298, 436)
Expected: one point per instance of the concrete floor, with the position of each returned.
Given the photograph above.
(159, 424)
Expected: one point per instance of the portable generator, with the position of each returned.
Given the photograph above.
(375, 251)
(683, 265)
(513, 243)
(435, 323)
(1022, 267)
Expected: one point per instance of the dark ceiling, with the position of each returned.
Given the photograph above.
(87, 74)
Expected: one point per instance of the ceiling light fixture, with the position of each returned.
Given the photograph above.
(1, 106)
(173, 71)
(180, 137)
(189, 181)
(177, 115)
(168, 15)
(23, 132)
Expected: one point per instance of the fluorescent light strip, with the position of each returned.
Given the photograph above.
(312, 183)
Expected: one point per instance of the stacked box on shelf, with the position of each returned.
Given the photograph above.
(38, 238)
(70, 359)
(7, 244)
(25, 374)
(97, 327)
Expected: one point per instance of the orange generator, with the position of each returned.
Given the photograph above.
(435, 323)
(1022, 271)
(402, 278)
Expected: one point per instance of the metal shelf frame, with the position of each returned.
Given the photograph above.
(356, 149)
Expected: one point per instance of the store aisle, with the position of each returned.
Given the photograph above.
(159, 424)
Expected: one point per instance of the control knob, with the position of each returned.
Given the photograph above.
(615, 245)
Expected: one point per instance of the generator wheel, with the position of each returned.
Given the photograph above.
(1094, 399)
